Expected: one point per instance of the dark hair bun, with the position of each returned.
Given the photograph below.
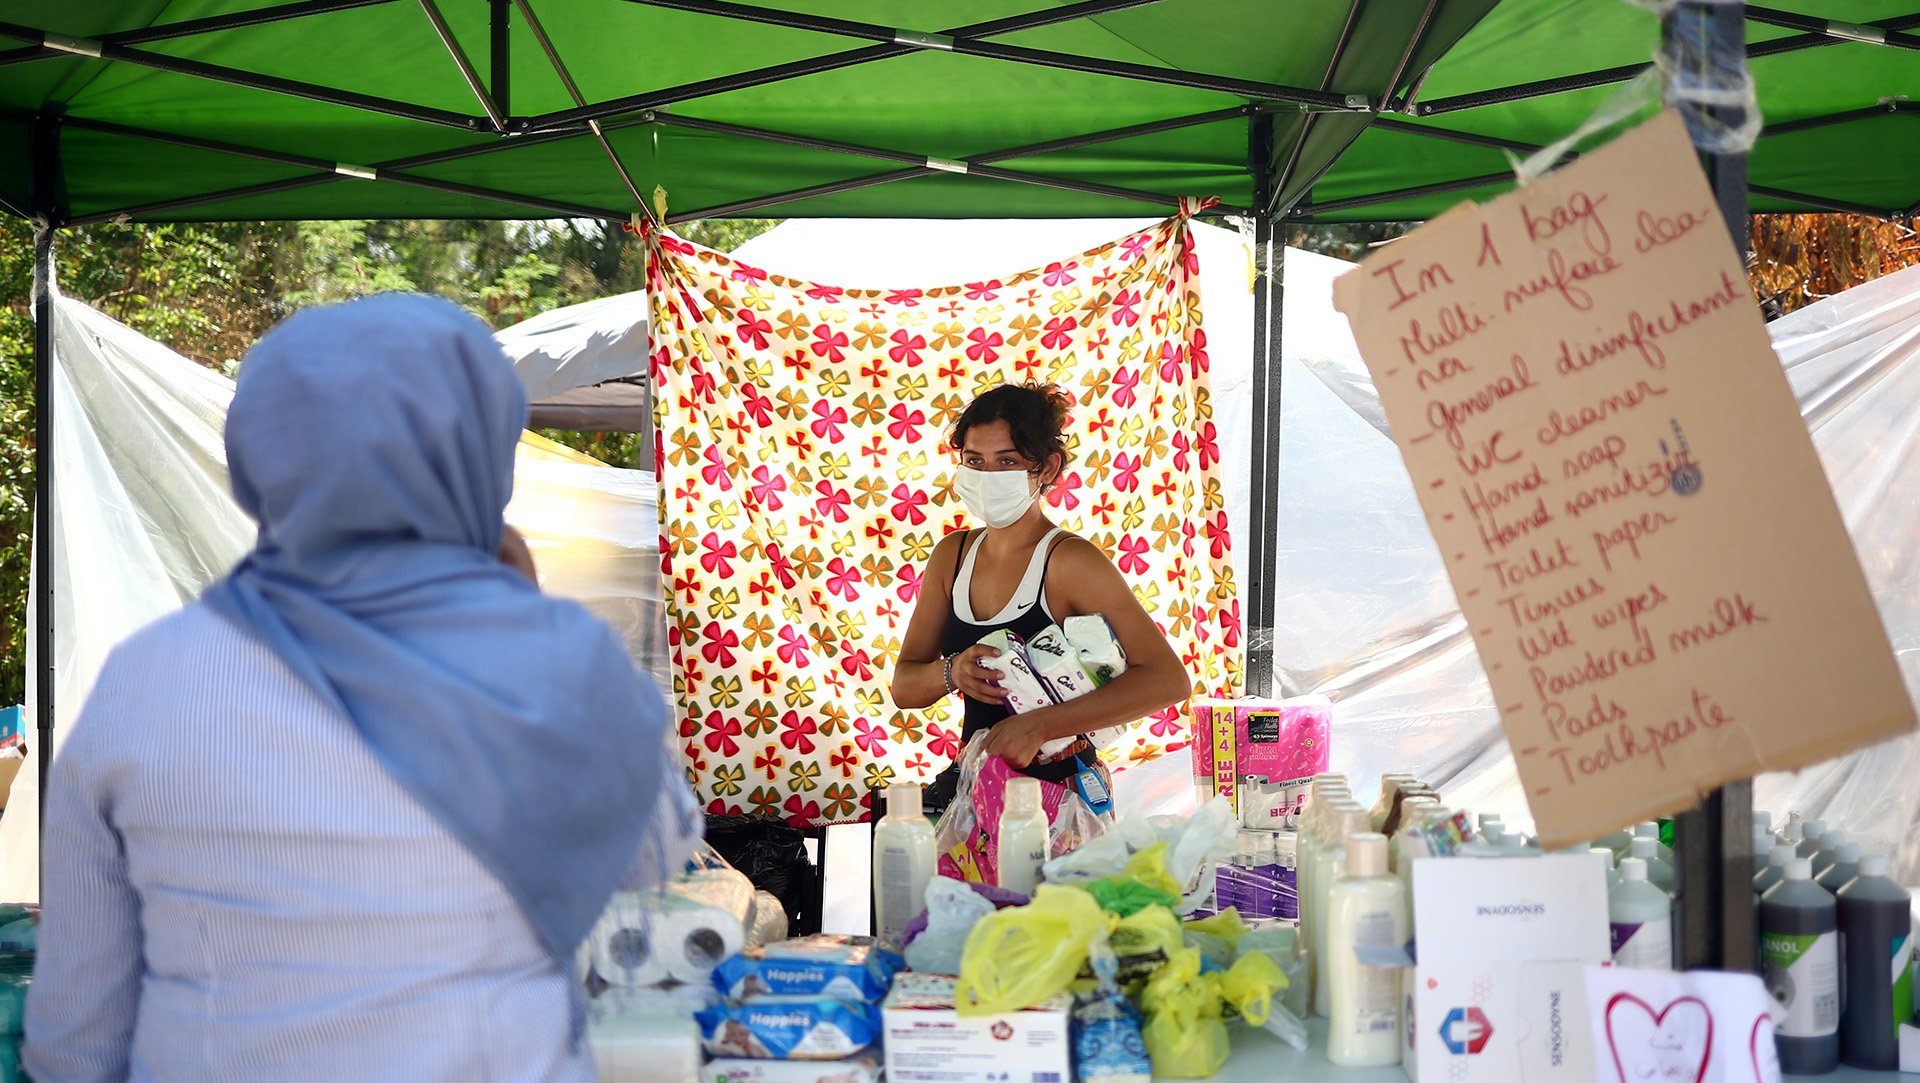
(1036, 415)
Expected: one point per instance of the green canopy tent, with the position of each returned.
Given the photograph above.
(1326, 110)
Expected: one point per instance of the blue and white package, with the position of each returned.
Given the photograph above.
(809, 967)
(1107, 1045)
(789, 1028)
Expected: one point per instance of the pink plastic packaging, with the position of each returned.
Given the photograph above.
(1263, 739)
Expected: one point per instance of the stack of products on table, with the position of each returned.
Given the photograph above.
(1261, 756)
(799, 1011)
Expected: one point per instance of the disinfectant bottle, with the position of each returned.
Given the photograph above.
(1368, 908)
(1659, 871)
(1811, 833)
(1763, 821)
(1762, 846)
(1800, 960)
(1846, 866)
(1876, 929)
(1829, 851)
(1641, 917)
(1349, 820)
(1651, 830)
(902, 862)
(1776, 869)
(1023, 836)
(1794, 820)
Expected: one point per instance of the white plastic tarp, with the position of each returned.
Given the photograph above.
(144, 520)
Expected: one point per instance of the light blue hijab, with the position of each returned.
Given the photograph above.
(373, 442)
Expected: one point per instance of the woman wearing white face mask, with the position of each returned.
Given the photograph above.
(1019, 572)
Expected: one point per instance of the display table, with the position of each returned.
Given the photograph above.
(1261, 1058)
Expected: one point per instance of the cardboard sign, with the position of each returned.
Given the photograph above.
(1702, 1027)
(1628, 503)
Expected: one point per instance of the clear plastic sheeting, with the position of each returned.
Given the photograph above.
(144, 520)
(579, 345)
(1367, 615)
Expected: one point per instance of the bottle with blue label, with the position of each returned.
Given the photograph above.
(1876, 931)
(1800, 962)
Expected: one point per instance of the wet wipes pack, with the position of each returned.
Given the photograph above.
(789, 1028)
(1093, 640)
(810, 966)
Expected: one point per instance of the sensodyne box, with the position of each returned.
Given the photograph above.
(1498, 990)
(927, 1041)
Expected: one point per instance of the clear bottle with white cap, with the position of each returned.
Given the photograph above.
(1794, 820)
(1640, 918)
(1659, 872)
(1023, 837)
(1651, 830)
(1800, 962)
(903, 860)
(1367, 910)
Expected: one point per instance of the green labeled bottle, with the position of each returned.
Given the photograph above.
(1800, 960)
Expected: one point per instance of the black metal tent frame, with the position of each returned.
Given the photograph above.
(1270, 209)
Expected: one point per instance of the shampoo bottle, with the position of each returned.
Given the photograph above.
(902, 862)
(1349, 820)
(1368, 909)
(1023, 837)
(1800, 961)
(1876, 928)
(1641, 919)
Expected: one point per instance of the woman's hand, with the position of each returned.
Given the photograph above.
(515, 554)
(1017, 739)
(975, 680)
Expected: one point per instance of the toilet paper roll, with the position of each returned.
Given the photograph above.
(769, 922)
(678, 932)
(625, 945)
(646, 1049)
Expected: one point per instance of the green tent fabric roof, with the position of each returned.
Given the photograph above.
(1330, 109)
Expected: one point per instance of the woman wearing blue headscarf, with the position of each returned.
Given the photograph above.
(348, 816)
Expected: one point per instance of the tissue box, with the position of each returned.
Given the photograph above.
(1499, 987)
(928, 1041)
(1271, 741)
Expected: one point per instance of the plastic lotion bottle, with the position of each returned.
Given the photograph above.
(1845, 866)
(1800, 960)
(1659, 873)
(1315, 831)
(1023, 837)
(1641, 917)
(1368, 907)
(1349, 820)
(1876, 927)
(902, 862)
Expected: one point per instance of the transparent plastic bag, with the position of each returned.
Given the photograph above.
(1195, 845)
(953, 909)
(965, 837)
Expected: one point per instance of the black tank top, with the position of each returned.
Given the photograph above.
(957, 635)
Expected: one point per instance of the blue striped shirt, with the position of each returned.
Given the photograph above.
(237, 890)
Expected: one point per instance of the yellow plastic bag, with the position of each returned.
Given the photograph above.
(1021, 957)
(1249, 984)
(1184, 1033)
(1196, 1050)
(1226, 925)
(1144, 882)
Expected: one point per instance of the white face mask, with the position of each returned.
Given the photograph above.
(997, 498)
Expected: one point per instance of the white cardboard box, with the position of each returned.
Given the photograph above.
(929, 1042)
(1498, 990)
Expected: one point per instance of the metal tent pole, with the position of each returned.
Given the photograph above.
(1713, 843)
(1262, 527)
(46, 207)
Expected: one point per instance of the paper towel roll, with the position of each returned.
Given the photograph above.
(646, 1049)
(626, 948)
(705, 922)
(769, 921)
